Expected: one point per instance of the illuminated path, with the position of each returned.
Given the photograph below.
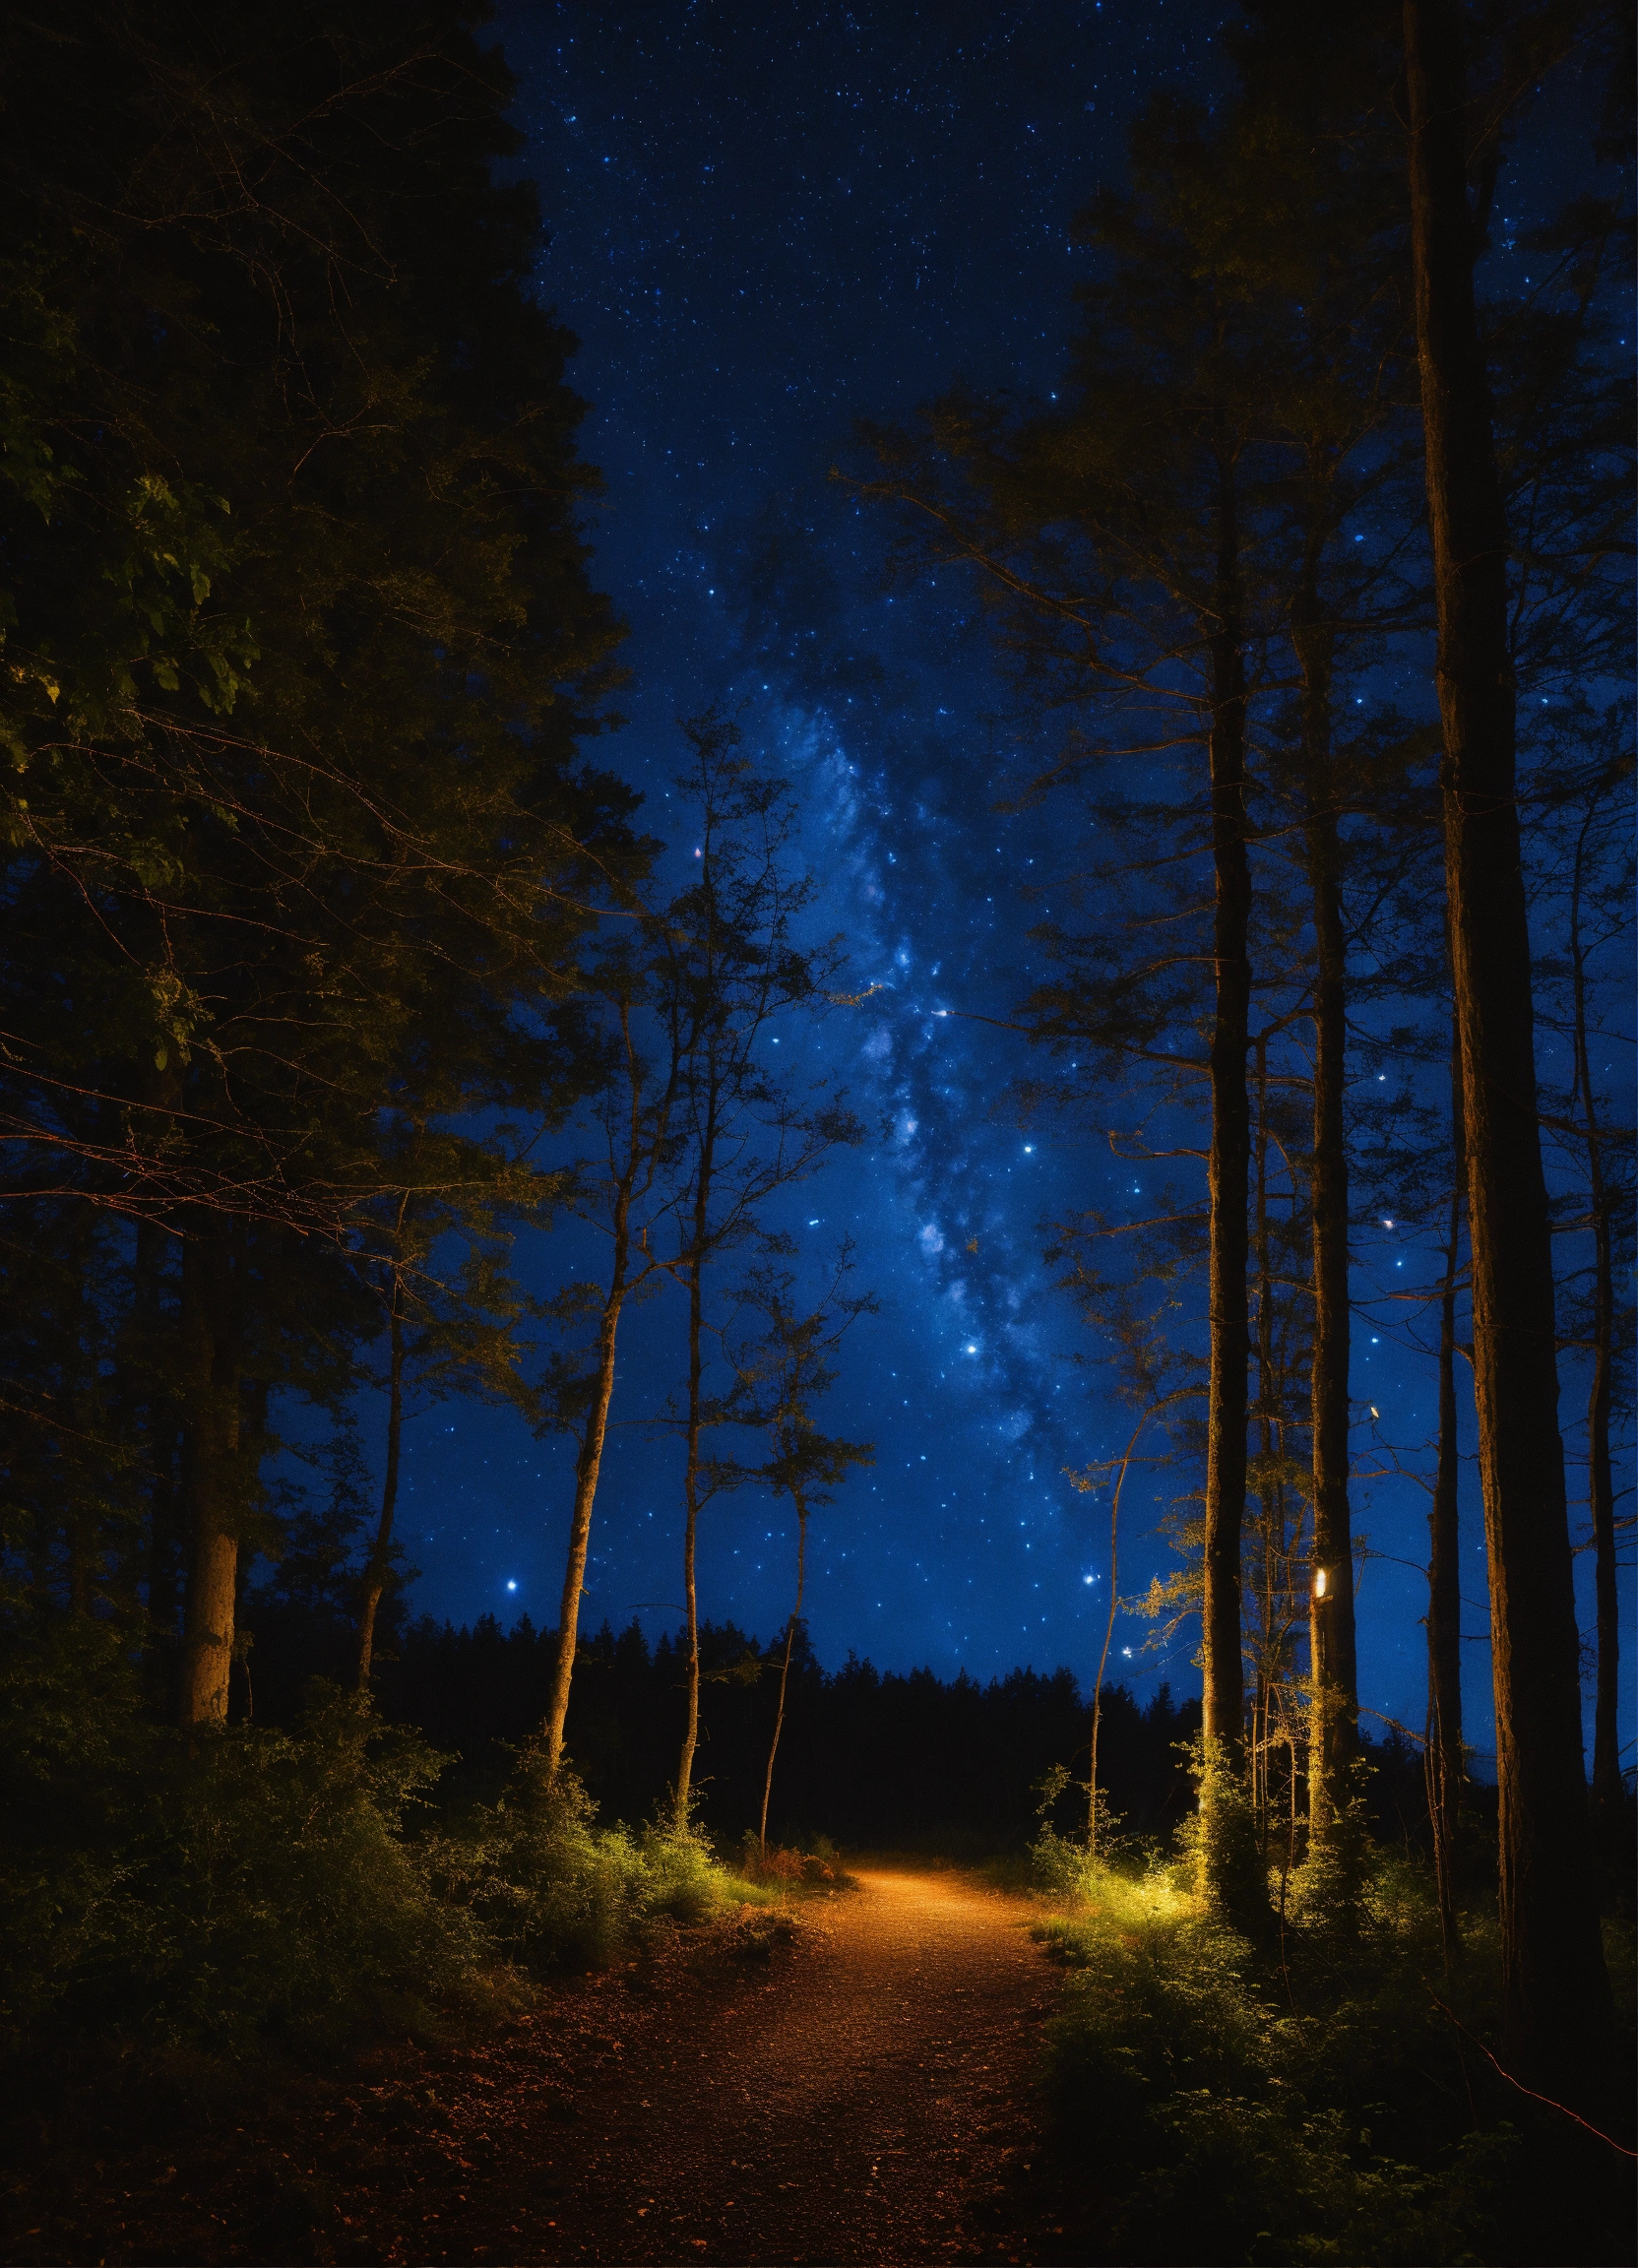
(858, 2100)
(862, 2095)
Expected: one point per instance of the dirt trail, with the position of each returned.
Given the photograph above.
(854, 2107)
(860, 2095)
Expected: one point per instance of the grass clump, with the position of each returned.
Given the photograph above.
(1309, 2100)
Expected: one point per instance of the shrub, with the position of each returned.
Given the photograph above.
(556, 1891)
(1219, 2100)
(227, 1887)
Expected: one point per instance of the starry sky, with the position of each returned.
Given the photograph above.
(767, 222)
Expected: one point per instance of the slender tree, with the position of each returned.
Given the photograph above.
(631, 1194)
(1553, 1982)
(733, 967)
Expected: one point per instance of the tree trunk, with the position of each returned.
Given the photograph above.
(375, 1576)
(1554, 1984)
(1331, 1656)
(1607, 1788)
(211, 1357)
(1270, 1493)
(587, 1468)
(691, 1460)
(1230, 1874)
(1442, 1754)
(785, 1673)
(1229, 1157)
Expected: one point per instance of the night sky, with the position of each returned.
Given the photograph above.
(767, 224)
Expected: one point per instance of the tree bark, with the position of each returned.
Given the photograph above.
(691, 1458)
(1229, 1157)
(211, 1358)
(1442, 1754)
(1554, 1984)
(1231, 1870)
(1607, 1788)
(1332, 1654)
(587, 1468)
(375, 1576)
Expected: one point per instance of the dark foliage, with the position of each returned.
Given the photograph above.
(873, 1761)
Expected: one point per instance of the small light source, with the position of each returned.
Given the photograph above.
(1319, 1582)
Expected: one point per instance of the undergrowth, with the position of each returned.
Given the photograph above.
(813, 1864)
(255, 1891)
(1306, 2101)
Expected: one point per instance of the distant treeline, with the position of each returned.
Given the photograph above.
(868, 1757)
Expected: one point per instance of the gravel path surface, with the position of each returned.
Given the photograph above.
(852, 2088)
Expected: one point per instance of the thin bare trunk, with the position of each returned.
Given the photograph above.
(1269, 1492)
(1442, 1755)
(1332, 1649)
(375, 1577)
(691, 1460)
(1229, 1158)
(1555, 1989)
(587, 1468)
(784, 1671)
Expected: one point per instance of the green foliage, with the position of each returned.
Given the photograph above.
(234, 1888)
(1218, 2100)
(246, 1888)
(555, 1891)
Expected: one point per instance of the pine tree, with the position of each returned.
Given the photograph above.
(1553, 1980)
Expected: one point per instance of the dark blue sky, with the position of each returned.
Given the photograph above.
(767, 222)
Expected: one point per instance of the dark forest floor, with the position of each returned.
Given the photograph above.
(852, 2083)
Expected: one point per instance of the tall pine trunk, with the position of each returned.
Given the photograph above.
(1227, 1874)
(1332, 1654)
(375, 1575)
(1554, 1984)
(1607, 1789)
(1442, 1754)
(211, 1364)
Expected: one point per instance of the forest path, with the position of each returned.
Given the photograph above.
(852, 2085)
(860, 2099)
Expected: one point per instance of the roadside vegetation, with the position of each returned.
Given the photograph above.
(1321, 2094)
(292, 1890)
